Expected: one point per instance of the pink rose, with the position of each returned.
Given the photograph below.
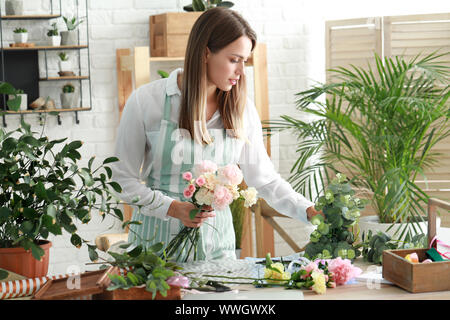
(222, 198)
(230, 174)
(343, 270)
(206, 166)
(200, 181)
(178, 281)
(187, 176)
(187, 193)
(191, 188)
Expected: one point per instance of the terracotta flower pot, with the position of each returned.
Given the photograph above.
(22, 262)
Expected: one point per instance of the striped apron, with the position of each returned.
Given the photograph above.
(173, 155)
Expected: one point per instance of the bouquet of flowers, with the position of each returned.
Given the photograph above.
(209, 185)
(317, 275)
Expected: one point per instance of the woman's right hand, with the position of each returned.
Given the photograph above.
(181, 209)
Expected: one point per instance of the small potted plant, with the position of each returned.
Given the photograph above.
(44, 190)
(20, 35)
(69, 98)
(70, 36)
(203, 5)
(23, 98)
(64, 62)
(14, 7)
(53, 34)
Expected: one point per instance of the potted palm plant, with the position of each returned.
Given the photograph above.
(379, 126)
(20, 35)
(70, 37)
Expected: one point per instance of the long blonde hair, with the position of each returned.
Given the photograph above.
(214, 29)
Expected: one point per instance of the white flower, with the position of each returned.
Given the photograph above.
(250, 195)
(204, 196)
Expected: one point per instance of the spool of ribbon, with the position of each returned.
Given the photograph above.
(441, 243)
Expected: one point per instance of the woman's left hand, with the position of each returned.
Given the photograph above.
(311, 212)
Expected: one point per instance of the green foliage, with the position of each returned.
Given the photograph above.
(146, 268)
(333, 236)
(53, 31)
(73, 23)
(63, 56)
(7, 89)
(381, 123)
(374, 245)
(68, 88)
(238, 213)
(20, 30)
(163, 74)
(203, 5)
(44, 190)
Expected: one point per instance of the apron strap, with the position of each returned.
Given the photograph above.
(167, 108)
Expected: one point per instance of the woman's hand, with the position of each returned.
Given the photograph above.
(311, 212)
(181, 209)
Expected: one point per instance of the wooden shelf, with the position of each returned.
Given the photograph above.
(32, 17)
(45, 48)
(47, 110)
(64, 78)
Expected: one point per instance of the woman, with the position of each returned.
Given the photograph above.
(199, 113)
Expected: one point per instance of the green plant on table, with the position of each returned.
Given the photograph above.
(145, 267)
(203, 5)
(373, 245)
(333, 237)
(44, 190)
(382, 126)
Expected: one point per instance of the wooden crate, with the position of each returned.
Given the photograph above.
(169, 33)
(418, 277)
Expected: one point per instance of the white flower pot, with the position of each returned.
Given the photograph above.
(69, 38)
(367, 223)
(21, 37)
(69, 100)
(14, 7)
(65, 65)
(55, 41)
(23, 101)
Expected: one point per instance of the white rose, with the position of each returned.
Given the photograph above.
(250, 195)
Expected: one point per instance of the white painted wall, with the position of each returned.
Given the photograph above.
(292, 29)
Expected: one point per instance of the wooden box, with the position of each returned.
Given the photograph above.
(419, 277)
(169, 33)
(137, 294)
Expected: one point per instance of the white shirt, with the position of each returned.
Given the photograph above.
(143, 112)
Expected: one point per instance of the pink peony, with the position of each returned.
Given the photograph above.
(187, 176)
(222, 198)
(187, 193)
(178, 281)
(206, 166)
(343, 270)
(230, 174)
(200, 181)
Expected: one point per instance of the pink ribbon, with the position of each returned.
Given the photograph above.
(446, 254)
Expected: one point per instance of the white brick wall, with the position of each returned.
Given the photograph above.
(292, 29)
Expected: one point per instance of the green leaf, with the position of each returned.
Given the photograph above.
(76, 240)
(3, 274)
(85, 174)
(5, 213)
(115, 186)
(135, 251)
(110, 160)
(36, 251)
(156, 247)
(93, 255)
(134, 280)
(40, 190)
(193, 213)
(51, 211)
